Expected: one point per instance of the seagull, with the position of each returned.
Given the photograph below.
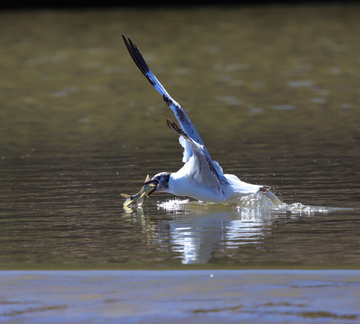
(200, 177)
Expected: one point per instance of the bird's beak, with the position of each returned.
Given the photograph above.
(150, 185)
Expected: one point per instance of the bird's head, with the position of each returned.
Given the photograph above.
(162, 180)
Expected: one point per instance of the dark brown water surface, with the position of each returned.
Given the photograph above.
(274, 93)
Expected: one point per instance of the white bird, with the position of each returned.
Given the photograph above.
(200, 177)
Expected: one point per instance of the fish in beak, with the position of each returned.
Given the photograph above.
(147, 189)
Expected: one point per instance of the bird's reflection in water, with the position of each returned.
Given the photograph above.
(196, 230)
(196, 237)
(199, 232)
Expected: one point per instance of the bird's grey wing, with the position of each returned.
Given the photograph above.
(180, 114)
(205, 172)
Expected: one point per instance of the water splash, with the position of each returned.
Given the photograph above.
(260, 202)
(174, 204)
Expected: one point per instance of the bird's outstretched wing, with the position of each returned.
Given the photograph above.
(183, 119)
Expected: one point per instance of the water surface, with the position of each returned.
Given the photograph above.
(272, 91)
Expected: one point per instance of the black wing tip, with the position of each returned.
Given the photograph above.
(126, 40)
(131, 46)
(137, 57)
